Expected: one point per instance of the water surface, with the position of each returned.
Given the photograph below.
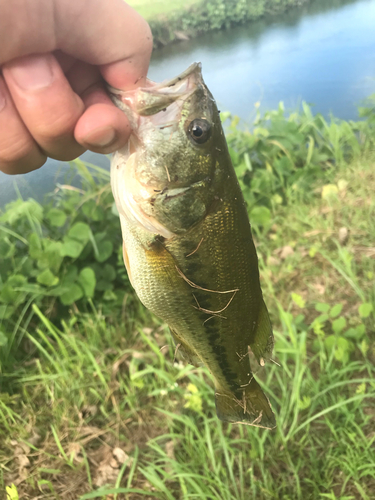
(323, 53)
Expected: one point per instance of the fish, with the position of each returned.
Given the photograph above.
(187, 241)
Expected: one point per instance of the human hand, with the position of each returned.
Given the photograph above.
(54, 55)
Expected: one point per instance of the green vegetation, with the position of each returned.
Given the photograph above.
(92, 404)
(151, 9)
(180, 20)
(65, 252)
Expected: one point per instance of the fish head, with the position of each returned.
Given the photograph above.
(176, 128)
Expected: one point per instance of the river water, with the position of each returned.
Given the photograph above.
(322, 53)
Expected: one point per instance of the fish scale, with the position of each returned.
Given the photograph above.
(188, 246)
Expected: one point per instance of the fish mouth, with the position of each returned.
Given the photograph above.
(160, 102)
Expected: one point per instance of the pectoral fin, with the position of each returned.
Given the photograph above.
(249, 406)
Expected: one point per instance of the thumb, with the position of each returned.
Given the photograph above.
(106, 33)
(109, 34)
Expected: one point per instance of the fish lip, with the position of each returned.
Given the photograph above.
(194, 70)
(161, 95)
(154, 87)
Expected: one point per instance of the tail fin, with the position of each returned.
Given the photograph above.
(248, 406)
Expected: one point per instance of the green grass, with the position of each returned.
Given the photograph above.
(100, 382)
(154, 8)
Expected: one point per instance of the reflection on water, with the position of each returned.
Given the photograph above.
(323, 53)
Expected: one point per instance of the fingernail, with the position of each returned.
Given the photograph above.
(32, 72)
(2, 100)
(102, 137)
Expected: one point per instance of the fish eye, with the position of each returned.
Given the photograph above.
(199, 130)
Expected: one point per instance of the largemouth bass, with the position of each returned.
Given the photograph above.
(188, 248)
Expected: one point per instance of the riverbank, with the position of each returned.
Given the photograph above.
(185, 20)
(89, 393)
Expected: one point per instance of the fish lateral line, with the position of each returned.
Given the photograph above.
(194, 285)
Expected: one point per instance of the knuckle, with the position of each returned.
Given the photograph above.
(58, 125)
(144, 39)
(147, 40)
(16, 148)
